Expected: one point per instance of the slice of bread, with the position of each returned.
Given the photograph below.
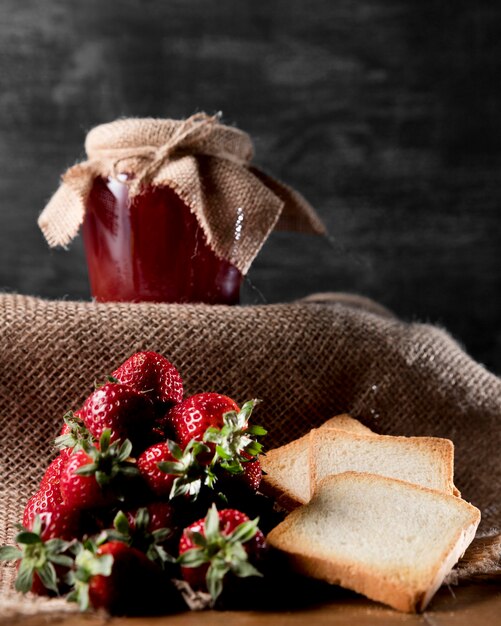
(388, 539)
(425, 461)
(287, 477)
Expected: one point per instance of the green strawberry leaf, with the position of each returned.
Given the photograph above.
(198, 538)
(185, 486)
(221, 452)
(245, 531)
(211, 525)
(130, 471)
(104, 440)
(77, 437)
(174, 449)
(170, 467)
(142, 519)
(214, 578)
(157, 553)
(61, 559)
(48, 576)
(253, 449)
(10, 553)
(28, 538)
(243, 569)
(121, 523)
(102, 479)
(24, 580)
(257, 431)
(195, 557)
(125, 450)
(36, 527)
(57, 545)
(86, 470)
(161, 534)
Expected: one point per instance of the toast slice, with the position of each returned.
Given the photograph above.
(390, 540)
(287, 477)
(425, 461)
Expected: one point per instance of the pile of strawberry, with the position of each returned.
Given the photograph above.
(140, 497)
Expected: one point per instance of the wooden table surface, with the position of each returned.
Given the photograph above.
(469, 605)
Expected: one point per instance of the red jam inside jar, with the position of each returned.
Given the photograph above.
(151, 248)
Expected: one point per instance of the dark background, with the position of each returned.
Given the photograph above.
(385, 114)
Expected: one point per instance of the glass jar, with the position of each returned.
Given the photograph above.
(151, 248)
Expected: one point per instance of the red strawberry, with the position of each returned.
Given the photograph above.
(61, 523)
(52, 474)
(150, 529)
(192, 417)
(170, 471)
(160, 515)
(152, 374)
(57, 520)
(159, 482)
(225, 541)
(252, 474)
(217, 420)
(123, 581)
(45, 499)
(97, 476)
(128, 413)
(81, 491)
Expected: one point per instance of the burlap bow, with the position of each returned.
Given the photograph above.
(205, 162)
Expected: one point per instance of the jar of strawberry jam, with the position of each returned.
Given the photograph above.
(171, 210)
(151, 248)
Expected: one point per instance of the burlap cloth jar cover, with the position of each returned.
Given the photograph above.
(306, 361)
(208, 165)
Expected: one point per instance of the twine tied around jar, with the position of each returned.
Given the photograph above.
(207, 163)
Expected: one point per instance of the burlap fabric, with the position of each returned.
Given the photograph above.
(306, 361)
(205, 162)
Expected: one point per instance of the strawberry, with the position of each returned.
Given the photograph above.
(52, 474)
(61, 522)
(192, 417)
(127, 413)
(247, 481)
(218, 421)
(121, 580)
(160, 483)
(252, 474)
(56, 519)
(159, 515)
(42, 559)
(97, 475)
(224, 542)
(152, 374)
(170, 471)
(46, 499)
(149, 529)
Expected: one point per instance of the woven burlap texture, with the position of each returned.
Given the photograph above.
(205, 162)
(306, 361)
